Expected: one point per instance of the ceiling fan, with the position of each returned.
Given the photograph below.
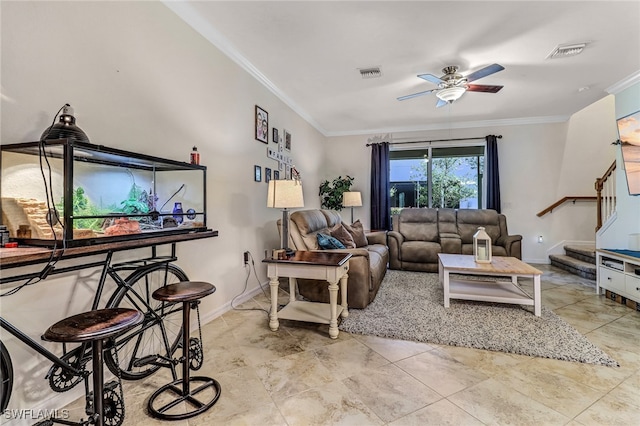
(451, 86)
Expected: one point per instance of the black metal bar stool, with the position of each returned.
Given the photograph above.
(189, 293)
(94, 327)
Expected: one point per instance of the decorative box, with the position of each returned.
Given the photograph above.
(65, 193)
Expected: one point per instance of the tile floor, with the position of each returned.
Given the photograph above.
(298, 376)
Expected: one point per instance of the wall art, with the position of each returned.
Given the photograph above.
(287, 140)
(257, 173)
(262, 125)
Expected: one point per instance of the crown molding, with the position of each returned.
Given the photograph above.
(193, 18)
(461, 125)
(623, 84)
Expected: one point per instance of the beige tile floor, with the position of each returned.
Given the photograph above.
(299, 376)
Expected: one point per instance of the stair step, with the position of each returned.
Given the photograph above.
(586, 253)
(575, 266)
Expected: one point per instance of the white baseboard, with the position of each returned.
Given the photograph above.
(211, 315)
(539, 261)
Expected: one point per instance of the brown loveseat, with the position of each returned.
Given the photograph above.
(367, 266)
(420, 234)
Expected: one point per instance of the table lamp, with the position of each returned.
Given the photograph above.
(285, 194)
(351, 199)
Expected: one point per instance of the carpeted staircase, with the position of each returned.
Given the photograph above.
(578, 259)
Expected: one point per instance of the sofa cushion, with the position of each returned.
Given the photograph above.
(341, 233)
(420, 251)
(332, 217)
(495, 250)
(419, 224)
(307, 224)
(357, 232)
(470, 220)
(327, 242)
(447, 221)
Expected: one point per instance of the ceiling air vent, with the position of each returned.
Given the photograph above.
(566, 50)
(373, 72)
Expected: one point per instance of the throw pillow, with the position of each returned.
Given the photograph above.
(341, 233)
(327, 242)
(357, 232)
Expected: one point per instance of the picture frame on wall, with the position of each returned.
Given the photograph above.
(287, 140)
(275, 137)
(267, 174)
(287, 174)
(262, 125)
(276, 175)
(257, 173)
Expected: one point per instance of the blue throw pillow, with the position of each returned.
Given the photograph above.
(327, 242)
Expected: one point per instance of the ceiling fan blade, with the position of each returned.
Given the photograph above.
(441, 103)
(432, 78)
(415, 95)
(491, 69)
(483, 88)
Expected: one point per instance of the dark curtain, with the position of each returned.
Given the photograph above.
(380, 197)
(492, 174)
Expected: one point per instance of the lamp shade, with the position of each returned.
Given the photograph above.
(451, 94)
(351, 199)
(65, 128)
(284, 194)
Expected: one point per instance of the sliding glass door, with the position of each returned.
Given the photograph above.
(449, 177)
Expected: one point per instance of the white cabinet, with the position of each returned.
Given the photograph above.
(618, 273)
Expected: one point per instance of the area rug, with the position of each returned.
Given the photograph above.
(409, 306)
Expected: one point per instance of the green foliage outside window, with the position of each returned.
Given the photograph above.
(447, 188)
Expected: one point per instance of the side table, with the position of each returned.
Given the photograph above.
(328, 266)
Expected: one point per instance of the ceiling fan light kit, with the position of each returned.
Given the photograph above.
(451, 86)
(450, 94)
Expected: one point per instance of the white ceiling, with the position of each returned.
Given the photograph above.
(309, 52)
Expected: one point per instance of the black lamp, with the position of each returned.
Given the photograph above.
(65, 128)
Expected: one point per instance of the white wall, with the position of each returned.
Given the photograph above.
(539, 164)
(627, 206)
(142, 80)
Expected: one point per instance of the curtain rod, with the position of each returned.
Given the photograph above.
(438, 140)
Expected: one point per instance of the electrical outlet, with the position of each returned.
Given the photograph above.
(246, 257)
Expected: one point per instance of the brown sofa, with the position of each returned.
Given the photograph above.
(367, 266)
(420, 234)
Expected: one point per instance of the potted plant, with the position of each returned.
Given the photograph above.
(331, 192)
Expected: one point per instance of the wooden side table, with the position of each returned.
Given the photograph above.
(328, 266)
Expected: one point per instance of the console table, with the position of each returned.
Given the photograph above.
(327, 266)
(619, 272)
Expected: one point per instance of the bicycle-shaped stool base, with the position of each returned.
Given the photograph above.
(178, 400)
(175, 393)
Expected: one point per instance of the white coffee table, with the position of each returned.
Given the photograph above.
(488, 290)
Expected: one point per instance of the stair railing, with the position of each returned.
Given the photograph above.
(606, 196)
(564, 200)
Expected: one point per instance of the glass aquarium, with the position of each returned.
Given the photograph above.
(65, 193)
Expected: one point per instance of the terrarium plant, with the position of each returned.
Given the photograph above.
(331, 192)
(82, 206)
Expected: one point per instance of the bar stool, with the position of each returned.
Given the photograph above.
(94, 327)
(189, 293)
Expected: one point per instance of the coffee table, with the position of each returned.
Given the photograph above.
(488, 290)
(328, 266)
